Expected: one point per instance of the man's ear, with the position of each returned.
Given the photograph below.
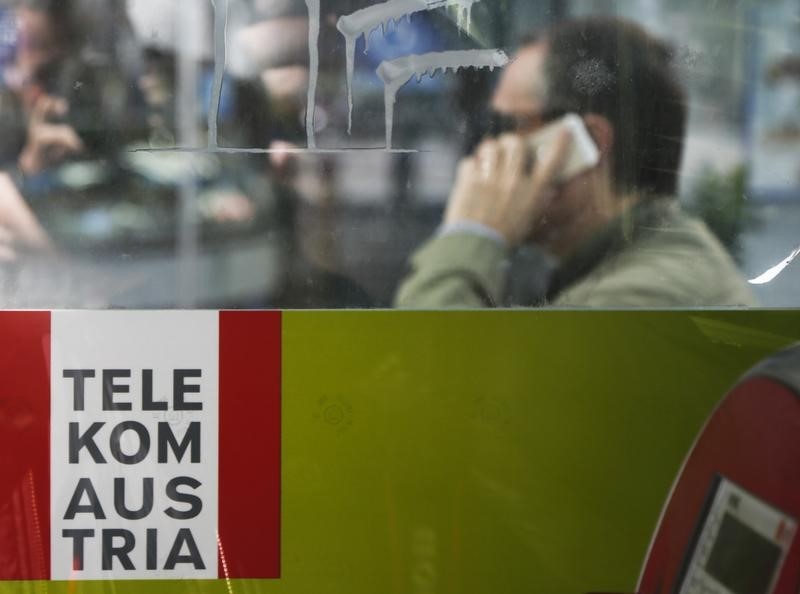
(602, 132)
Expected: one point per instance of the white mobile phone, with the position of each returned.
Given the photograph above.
(583, 152)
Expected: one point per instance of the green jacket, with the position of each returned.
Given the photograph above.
(658, 257)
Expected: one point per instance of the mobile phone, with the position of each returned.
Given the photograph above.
(583, 152)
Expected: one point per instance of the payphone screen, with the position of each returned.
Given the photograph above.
(742, 559)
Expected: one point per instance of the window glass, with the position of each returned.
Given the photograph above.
(632, 153)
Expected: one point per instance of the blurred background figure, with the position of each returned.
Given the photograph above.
(62, 94)
(60, 97)
(83, 110)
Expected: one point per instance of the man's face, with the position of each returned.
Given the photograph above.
(520, 94)
(520, 100)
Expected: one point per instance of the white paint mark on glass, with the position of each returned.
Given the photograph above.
(773, 272)
(313, 69)
(396, 73)
(190, 32)
(365, 21)
(220, 44)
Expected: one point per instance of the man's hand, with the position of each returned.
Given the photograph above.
(503, 187)
(47, 143)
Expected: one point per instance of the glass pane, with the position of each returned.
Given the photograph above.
(162, 154)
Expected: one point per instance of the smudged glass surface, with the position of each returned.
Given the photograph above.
(162, 155)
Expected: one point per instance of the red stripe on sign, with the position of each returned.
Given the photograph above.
(249, 444)
(25, 446)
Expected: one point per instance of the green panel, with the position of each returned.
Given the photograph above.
(485, 452)
(497, 451)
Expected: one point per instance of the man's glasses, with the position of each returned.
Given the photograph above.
(503, 123)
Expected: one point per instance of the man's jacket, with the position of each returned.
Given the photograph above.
(656, 256)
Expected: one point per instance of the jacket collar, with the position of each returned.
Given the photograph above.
(642, 218)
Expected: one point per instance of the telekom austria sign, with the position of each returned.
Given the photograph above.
(146, 445)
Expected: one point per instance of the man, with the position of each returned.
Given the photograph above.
(616, 230)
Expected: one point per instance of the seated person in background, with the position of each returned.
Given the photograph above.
(617, 229)
(56, 101)
(31, 138)
(55, 104)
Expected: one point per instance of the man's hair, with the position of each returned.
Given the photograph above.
(615, 69)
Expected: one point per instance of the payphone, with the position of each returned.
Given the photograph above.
(730, 525)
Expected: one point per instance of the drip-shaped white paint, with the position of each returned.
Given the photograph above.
(773, 272)
(467, 7)
(363, 22)
(313, 69)
(350, 54)
(220, 47)
(396, 73)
